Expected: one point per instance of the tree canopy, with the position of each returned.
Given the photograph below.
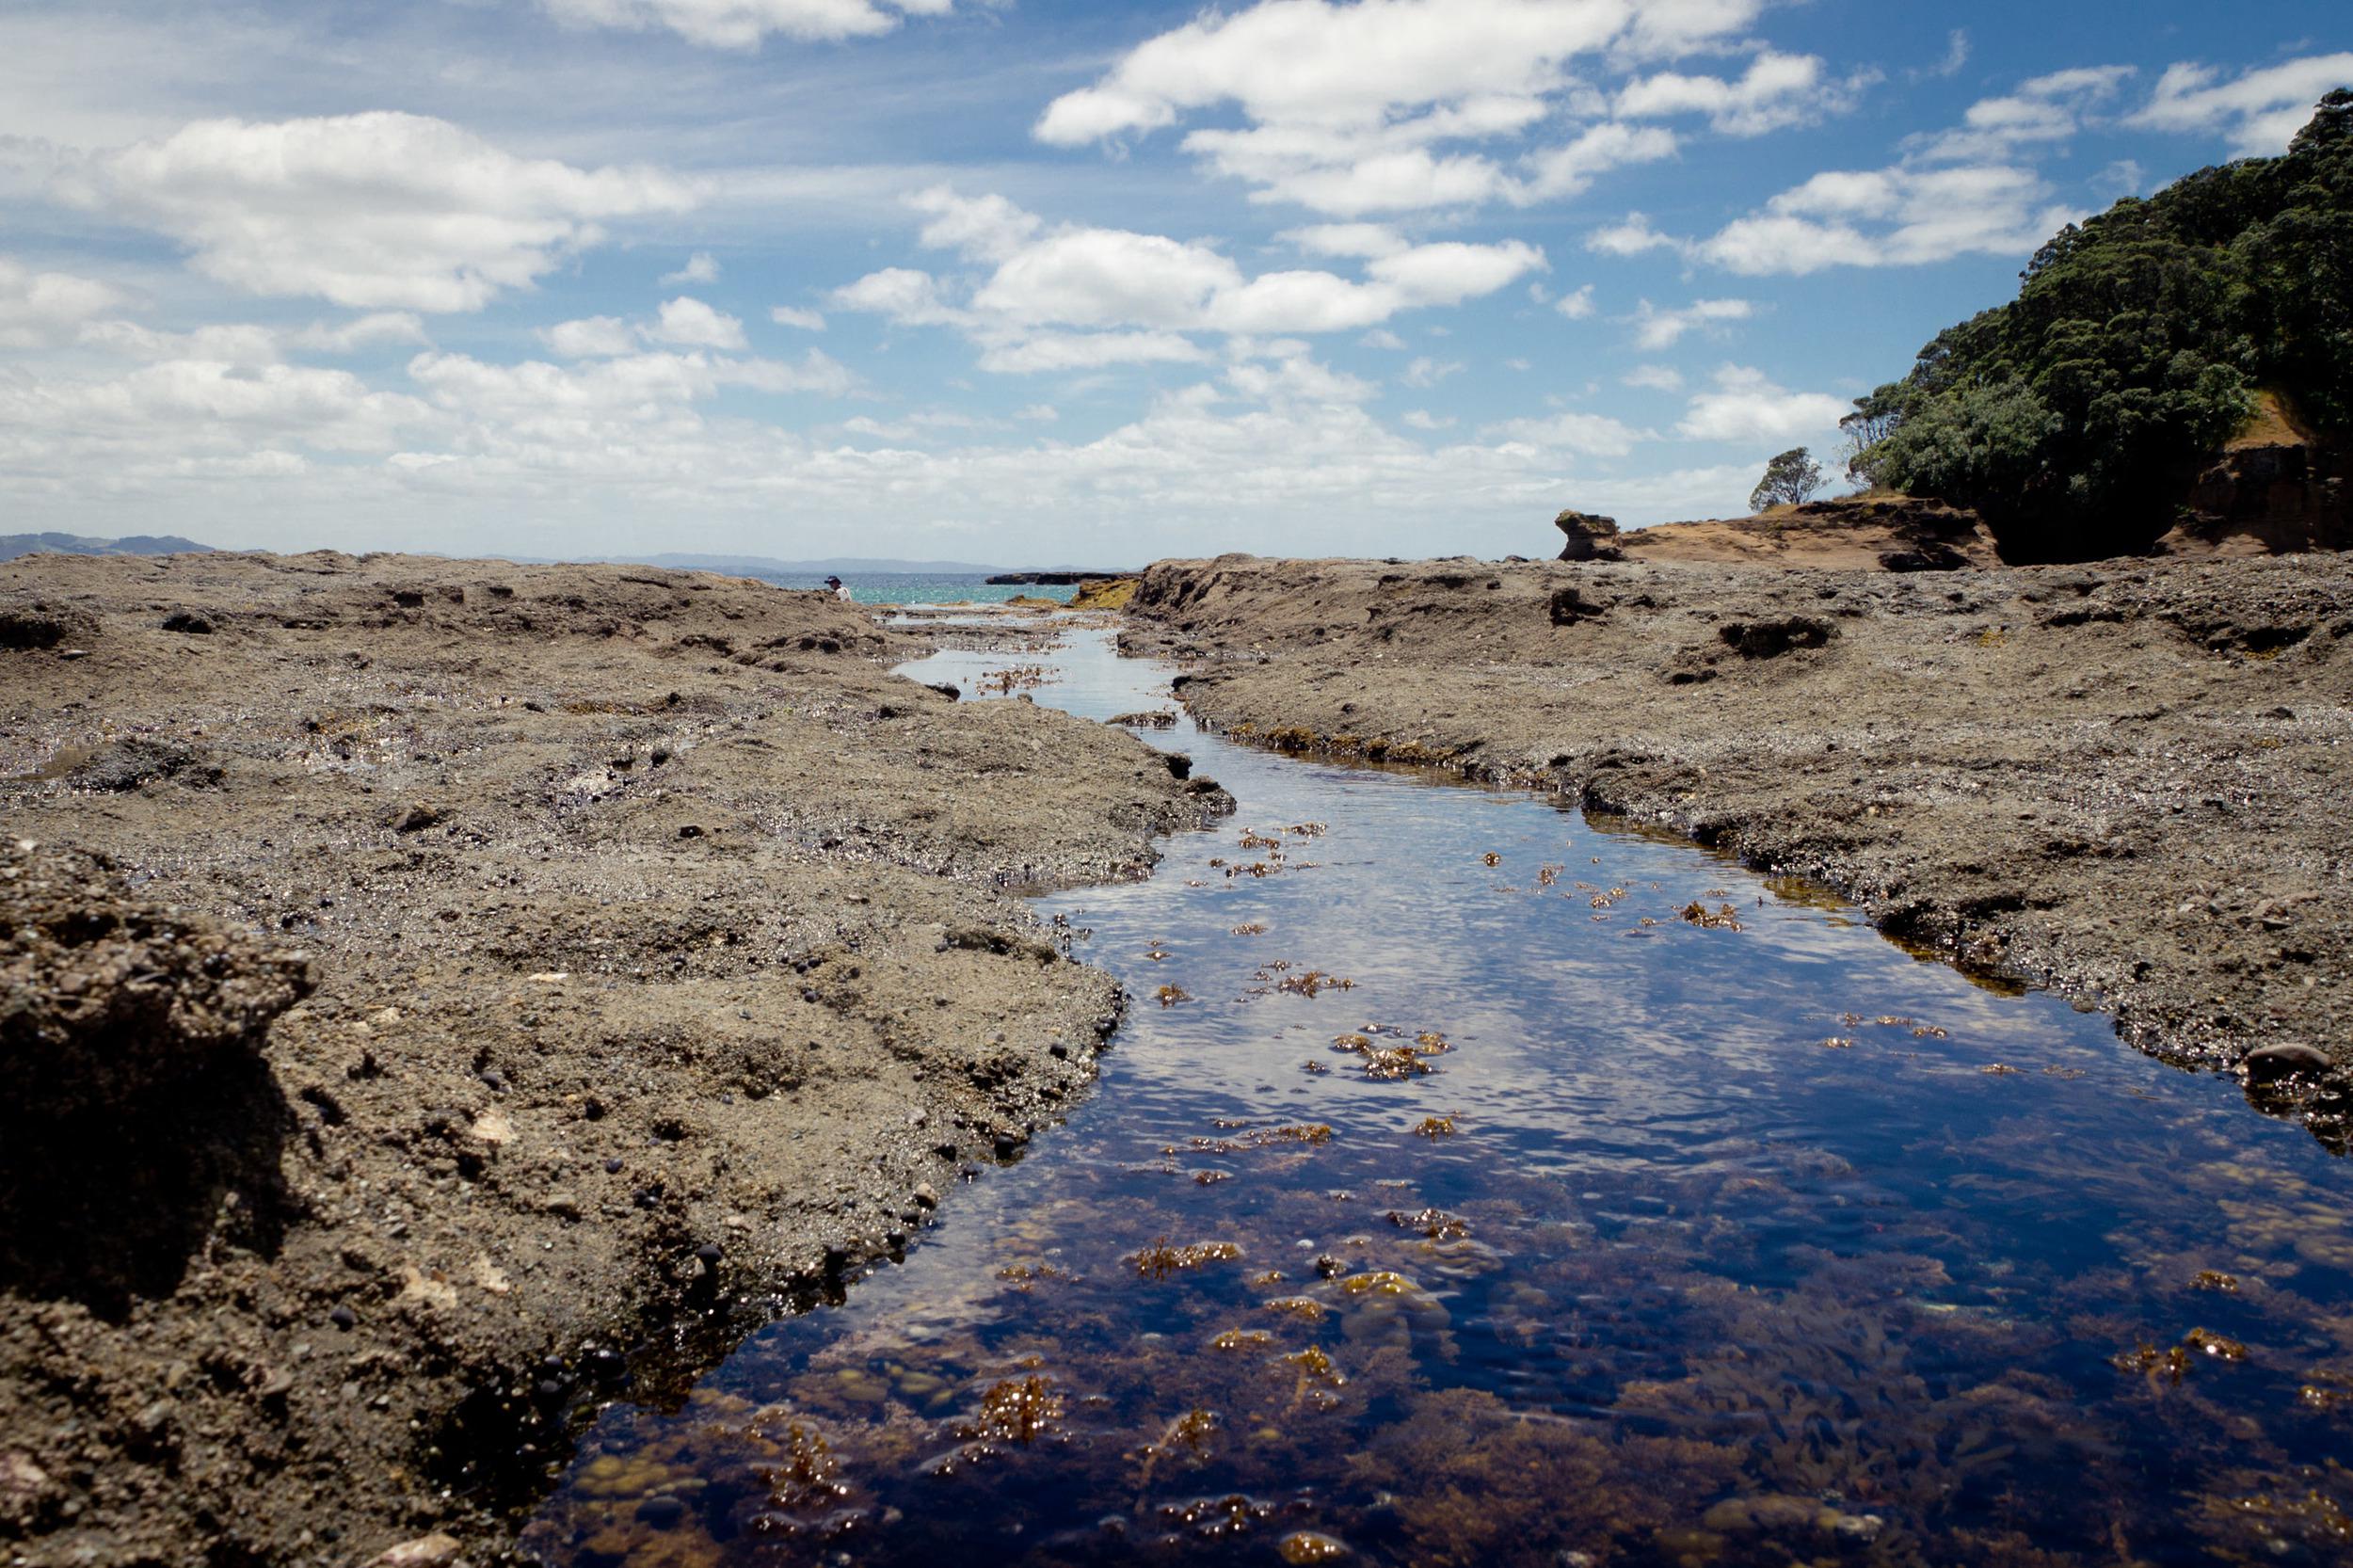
(2076, 416)
(1790, 479)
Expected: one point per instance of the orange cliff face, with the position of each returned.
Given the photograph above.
(2277, 488)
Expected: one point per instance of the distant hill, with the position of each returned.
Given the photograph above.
(2142, 342)
(14, 545)
(746, 565)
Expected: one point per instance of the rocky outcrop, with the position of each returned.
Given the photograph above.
(109, 999)
(1864, 533)
(2272, 497)
(1104, 594)
(131, 1040)
(1590, 537)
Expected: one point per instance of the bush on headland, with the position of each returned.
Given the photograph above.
(2076, 417)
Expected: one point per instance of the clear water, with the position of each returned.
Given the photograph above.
(1754, 1243)
(922, 587)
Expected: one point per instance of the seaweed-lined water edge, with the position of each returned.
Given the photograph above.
(1474, 1182)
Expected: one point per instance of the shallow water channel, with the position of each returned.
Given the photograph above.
(1463, 1202)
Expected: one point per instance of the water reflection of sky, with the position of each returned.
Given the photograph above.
(1777, 1212)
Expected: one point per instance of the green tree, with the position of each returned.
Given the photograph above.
(1790, 479)
(2076, 416)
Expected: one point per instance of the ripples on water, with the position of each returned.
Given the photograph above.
(1752, 1242)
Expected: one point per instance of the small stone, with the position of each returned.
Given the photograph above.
(437, 1550)
(661, 1512)
(563, 1205)
(925, 1196)
(708, 1252)
(344, 1317)
(612, 1167)
(2284, 1060)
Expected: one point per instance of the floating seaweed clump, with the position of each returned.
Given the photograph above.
(1242, 1339)
(1315, 982)
(1305, 1309)
(1171, 995)
(1186, 1439)
(1160, 1260)
(1302, 1548)
(1436, 1224)
(2208, 1343)
(1019, 678)
(2173, 1363)
(2213, 1279)
(1314, 1134)
(1214, 1518)
(1434, 1127)
(1253, 928)
(804, 1474)
(1723, 917)
(1393, 1064)
(1017, 1410)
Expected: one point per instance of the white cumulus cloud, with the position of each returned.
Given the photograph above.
(1745, 406)
(1777, 91)
(690, 322)
(701, 267)
(2258, 111)
(376, 211)
(1072, 296)
(1394, 105)
(744, 23)
(1656, 330)
(42, 308)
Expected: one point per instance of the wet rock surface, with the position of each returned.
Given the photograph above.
(663, 972)
(2119, 780)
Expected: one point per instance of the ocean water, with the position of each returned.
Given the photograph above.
(920, 587)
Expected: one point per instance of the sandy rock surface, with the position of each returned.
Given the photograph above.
(2125, 781)
(440, 994)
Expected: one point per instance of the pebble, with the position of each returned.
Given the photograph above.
(344, 1317)
(437, 1550)
(708, 1252)
(661, 1512)
(612, 1167)
(2284, 1060)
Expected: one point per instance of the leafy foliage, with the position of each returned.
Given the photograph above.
(1790, 479)
(2074, 416)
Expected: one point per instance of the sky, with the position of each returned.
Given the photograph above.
(1031, 281)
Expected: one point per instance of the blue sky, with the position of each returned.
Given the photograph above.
(1018, 281)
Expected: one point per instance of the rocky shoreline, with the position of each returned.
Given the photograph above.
(444, 994)
(2121, 781)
